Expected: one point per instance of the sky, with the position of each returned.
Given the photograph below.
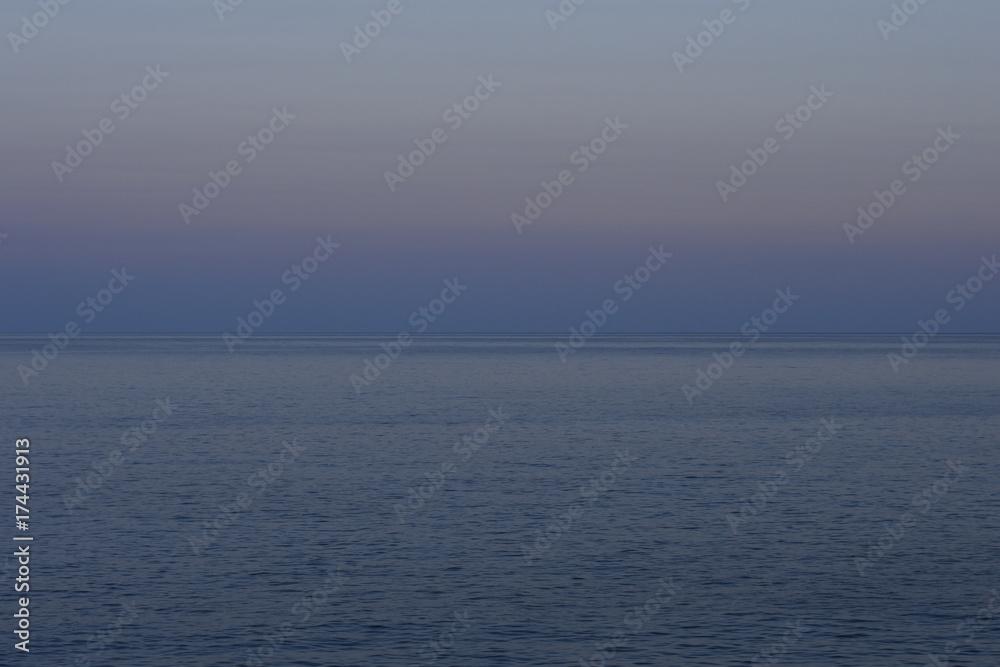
(211, 76)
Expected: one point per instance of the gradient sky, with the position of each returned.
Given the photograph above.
(656, 185)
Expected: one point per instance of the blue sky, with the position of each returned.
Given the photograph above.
(657, 183)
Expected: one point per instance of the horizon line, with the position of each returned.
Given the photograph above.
(502, 333)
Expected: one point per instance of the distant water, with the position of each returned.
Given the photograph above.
(322, 549)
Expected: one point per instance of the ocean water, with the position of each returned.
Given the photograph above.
(481, 502)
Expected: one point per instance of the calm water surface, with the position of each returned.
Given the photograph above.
(382, 538)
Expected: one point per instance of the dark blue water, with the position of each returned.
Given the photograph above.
(273, 515)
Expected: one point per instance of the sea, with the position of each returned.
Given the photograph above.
(499, 500)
